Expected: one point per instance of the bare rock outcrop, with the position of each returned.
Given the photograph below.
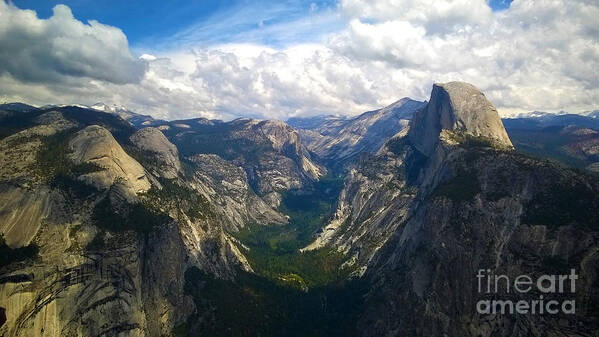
(21, 213)
(96, 145)
(227, 187)
(269, 151)
(460, 108)
(368, 212)
(419, 219)
(165, 154)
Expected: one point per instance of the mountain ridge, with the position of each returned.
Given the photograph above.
(341, 140)
(418, 225)
(163, 229)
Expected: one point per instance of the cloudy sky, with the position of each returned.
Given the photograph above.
(278, 59)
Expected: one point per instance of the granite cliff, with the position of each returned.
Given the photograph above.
(451, 197)
(192, 227)
(100, 222)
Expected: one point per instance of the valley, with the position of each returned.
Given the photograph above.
(325, 227)
(338, 168)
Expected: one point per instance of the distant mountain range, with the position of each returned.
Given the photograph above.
(340, 140)
(568, 138)
(572, 139)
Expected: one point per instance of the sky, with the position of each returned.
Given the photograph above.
(280, 59)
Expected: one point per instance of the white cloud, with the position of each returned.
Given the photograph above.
(147, 57)
(532, 56)
(535, 55)
(436, 16)
(62, 49)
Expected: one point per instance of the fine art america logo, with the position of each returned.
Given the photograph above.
(523, 287)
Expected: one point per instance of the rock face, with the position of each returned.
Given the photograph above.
(270, 152)
(341, 140)
(118, 290)
(227, 187)
(99, 269)
(165, 155)
(284, 139)
(375, 200)
(137, 120)
(282, 165)
(418, 220)
(368, 210)
(21, 213)
(491, 211)
(458, 107)
(96, 145)
(422, 210)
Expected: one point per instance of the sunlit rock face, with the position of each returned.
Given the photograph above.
(226, 186)
(94, 275)
(367, 204)
(284, 164)
(450, 197)
(96, 145)
(164, 155)
(270, 152)
(460, 108)
(435, 194)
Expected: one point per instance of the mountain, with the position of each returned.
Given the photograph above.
(593, 114)
(314, 122)
(547, 120)
(340, 140)
(100, 221)
(572, 145)
(536, 133)
(537, 114)
(456, 108)
(378, 225)
(137, 120)
(456, 114)
(418, 220)
(270, 152)
(570, 139)
(16, 106)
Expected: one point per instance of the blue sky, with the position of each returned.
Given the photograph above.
(280, 59)
(157, 23)
(154, 24)
(500, 4)
(137, 18)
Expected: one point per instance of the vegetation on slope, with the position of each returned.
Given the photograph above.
(14, 121)
(137, 217)
(176, 198)
(55, 168)
(559, 195)
(464, 186)
(566, 201)
(552, 143)
(218, 139)
(291, 293)
(274, 250)
(120, 129)
(252, 305)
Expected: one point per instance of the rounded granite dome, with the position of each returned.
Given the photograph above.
(459, 107)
